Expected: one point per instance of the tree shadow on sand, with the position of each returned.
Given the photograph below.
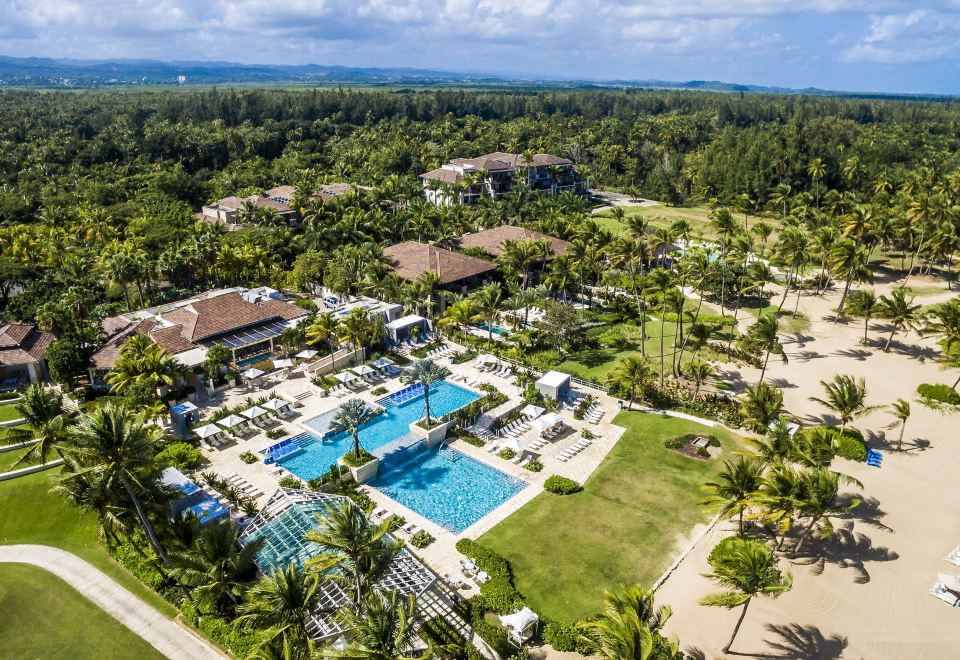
(860, 354)
(845, 549)
(797, 641)
(914, 352)
(909, 446)
(868, 512)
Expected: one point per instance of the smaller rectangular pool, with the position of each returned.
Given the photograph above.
(447, 486)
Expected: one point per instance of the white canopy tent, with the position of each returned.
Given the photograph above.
(545, 422)
(252, 373)
(306, 354)
(521, 626)
(283, 363)
(486, 358)
(531, 411)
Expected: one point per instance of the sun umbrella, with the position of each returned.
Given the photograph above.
(531, 411)
(283, 363)
(363, 370)
(208, 431)
(252, 373)
(253, 413)
(306, 354)
(345, 376)
(231, 421)
(383, 363)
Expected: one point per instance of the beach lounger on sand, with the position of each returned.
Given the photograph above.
(944, 594)
(954, 556)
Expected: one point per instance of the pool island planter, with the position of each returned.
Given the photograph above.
(364, 473)
(434, 435)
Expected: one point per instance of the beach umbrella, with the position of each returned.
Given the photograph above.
(252, 373)
(383, 363)
(255, 412)
(207, 431)
(531, 411)
(276, 404)
(345, 376)
(363, 370)
(231, 421)
(306, 354)
(283, 363)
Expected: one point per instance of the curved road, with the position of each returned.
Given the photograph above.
(164, 634)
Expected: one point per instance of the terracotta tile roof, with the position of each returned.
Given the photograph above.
(284, 310)
(230, 203)
(491, 240)
(483, 163)
(217, 315)
(279, 207)
(106, 356)
(171, 339)
(444, 175)
(285, 192)
(409, 260)
(330, 190)
(22, 343)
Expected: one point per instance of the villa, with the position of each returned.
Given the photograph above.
(458, 272)
(22, 346)
(226, 211)
(466, 180)
(247, 321)
(491, 240)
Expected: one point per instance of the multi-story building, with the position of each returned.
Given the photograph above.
(465, 180)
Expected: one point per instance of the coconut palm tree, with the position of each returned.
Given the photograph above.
(774, 447)
(846, 396)
(385, 629)
(899, 310)
(848, 260)
(699, 372)
(359, 329)
(761, 406)
(631, 374)
(46, 422)
(660, 282)
(115, 449)
(280, 604)
(763, 336)
(736, 485)
(488, 301)
(323, 328)
(864, 303)
(901, 413)
(216, 566)
(943, 321)
(819, 488)
(142, 362)
(425, 372)
(357, 552)
(628, 626)
(350, 416)
(816, 169)
(459, 315)
(747, 569)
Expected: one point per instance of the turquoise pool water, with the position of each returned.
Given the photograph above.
(322, 449)
(446, 486)
(496, 329)
(253, 359)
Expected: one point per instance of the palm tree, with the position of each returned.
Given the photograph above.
(816, 169)
(384, 630)
(488, 301)
(359, 329)
(631, 374)
(848, 260)
(899, 310)
(216, 565)
(699, 372)
(425, 372)
(819, 488)
(747, 568)
(864, 303)
(661, 283)
(943, 320)
(323, 328)
(737, 483)
(628, 626)
(281, 604)
(218, 358)
(901, 413)
(116, 450)
(350, 416)
(46, 422)
(761, 406)
(356, 551)
(763, 336)
(774, 447)
(143, 362)
(846, 396)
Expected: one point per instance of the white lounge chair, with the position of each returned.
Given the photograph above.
(938, 590)
(954, 556)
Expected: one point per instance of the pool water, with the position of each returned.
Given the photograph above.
(253, 359)
(495, 329)
(446, 486)
(322, 449)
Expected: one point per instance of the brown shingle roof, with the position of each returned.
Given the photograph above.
(491, 240)
(441, 174)
(230, 203)
(22, 343)
(285, 192)
(409, 260)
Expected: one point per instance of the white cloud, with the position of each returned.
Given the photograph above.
(909, 38)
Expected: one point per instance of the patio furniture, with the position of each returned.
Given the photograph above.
(940, 591)
(954, 556)
(279, 406)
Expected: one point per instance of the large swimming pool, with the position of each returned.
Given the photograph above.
(321, 449)
(446, 486)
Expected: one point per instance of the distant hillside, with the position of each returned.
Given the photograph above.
(41, 72)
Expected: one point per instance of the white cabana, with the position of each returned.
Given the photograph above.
(399, 329)
(252, 373)
(256, 412)
(346, 376)
(531, 411)
(363, 370)
(231, 422)
(208, 431)
(276, 405)
(545, 422)
(307, 353)
(521, 626)
(554, 384)
(283, 363)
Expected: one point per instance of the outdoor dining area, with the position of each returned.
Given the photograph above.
(242, 424)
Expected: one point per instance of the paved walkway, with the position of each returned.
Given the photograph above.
(166, 635)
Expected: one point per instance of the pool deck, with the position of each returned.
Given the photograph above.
(441, 555)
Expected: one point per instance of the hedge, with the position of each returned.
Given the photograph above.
(934, 394)
(561, 485)
(850, 445)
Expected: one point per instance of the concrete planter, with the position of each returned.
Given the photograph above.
(434, 436)
(11, 422)
(365, 472)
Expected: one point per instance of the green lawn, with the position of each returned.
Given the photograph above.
(8, 458)
(9, 412)
(44, 617)
(30, 513)
(624, 526)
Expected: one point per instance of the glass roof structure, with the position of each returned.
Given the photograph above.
(250, 336)
(282, 522)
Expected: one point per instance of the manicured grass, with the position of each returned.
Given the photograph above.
(30, 513)
(9, 412)
(8, 458)
(664, 216)
(44, 617)
(624, 527)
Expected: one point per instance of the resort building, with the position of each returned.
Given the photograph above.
(491, 240)
(247, 321)
(228, 211)
(341, 307)
(466, 180)
(458, 272)
(22, 346)
(291, 513)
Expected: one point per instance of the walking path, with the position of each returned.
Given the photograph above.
(166, 635)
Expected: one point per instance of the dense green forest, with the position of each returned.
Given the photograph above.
(99, 190)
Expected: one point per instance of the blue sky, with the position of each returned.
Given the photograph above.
(861, 45)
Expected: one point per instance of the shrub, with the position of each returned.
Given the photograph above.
(492, 633)
(560, 636)
(421, 539)
(506, 453)
(468, 437)
(181, 455)
(937, 395)
(290, 482)
(277, 433)
(396, 522)
(534, 465)
(377, 391)
(561, 485)
(850, 445)
(351, 460)
(248, 457)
